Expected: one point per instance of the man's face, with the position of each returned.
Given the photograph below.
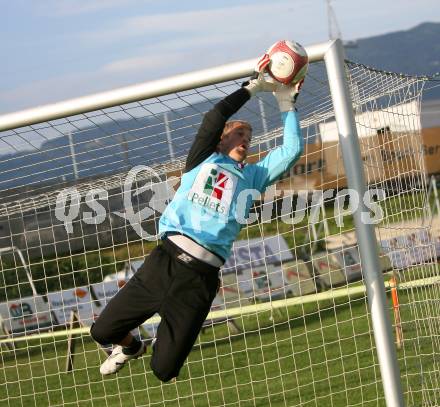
(235, 143)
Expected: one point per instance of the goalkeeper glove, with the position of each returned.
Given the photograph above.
(286, 95)
(256, 82)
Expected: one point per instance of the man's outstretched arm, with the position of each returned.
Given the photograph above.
(214, 121)
(281, 159)
(212, 126)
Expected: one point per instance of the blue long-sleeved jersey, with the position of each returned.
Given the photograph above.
(216, 192)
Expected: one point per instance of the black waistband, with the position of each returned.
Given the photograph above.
(185, 258)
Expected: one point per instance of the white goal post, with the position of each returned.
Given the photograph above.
(332, 273)
(351, 154)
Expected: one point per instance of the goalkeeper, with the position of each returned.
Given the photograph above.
(180, 277)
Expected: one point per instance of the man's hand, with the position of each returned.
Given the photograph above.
(262, 63)
(286, 95)
(257, 82)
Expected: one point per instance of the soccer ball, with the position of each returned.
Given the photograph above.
(288, 62)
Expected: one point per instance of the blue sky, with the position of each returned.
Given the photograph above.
(53, 50)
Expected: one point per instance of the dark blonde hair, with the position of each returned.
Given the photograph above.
(235, 123)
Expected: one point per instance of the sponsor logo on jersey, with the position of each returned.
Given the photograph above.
(213, 189)
(215, 184)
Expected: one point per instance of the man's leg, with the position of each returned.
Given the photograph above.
(137, 301)
(127, 341)
(183, 312)
(128, 309)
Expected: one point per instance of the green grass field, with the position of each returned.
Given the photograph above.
(318, 354)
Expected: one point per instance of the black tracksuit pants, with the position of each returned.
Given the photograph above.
(180, 288)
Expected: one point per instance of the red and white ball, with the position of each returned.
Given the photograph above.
(288, 62)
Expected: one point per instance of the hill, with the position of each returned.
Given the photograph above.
(414, 52)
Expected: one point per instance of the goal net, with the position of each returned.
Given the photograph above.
(80, 198)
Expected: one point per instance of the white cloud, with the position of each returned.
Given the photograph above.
(159, 45)
(56, 89)
(149, 63)
(63, 8)
(201, 39)
(176, 56)
(197, 24)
